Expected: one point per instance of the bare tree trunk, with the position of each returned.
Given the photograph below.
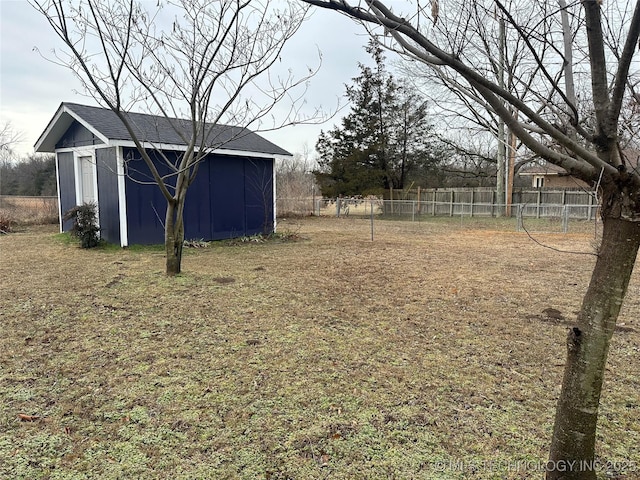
(572, 450)
(174, 238)
(502, 136)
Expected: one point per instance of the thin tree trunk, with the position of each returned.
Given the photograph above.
(174, 239)
(502, 136)
(572, 450)
(405, 135)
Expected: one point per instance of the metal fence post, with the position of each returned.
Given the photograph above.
(472, 200)
(493, 202)
(372, 220)
(451, 205)
(519, 220)
(565, 218)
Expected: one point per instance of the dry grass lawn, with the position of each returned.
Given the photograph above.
(429, 353)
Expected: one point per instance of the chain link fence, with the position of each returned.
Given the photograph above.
(29, 210)
(539, 217)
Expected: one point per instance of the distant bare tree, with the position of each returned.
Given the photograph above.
(506, 60)
(9, 136)
(550, 122)
(33, 175)
(207, 62)
(470, 160)
(295, 183)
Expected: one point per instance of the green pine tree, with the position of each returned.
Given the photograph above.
(384, 142)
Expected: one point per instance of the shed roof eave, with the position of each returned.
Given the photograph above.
(58, 125)
(182, 148)
(41, 145)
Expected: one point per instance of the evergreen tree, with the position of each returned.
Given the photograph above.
(384, 142)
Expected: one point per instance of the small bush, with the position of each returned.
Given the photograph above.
(6, 223)
(85, 224)
(196, 243)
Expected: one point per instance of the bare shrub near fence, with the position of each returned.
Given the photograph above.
(295, 186)
(29, 210)
(6, 223)
(294, 207)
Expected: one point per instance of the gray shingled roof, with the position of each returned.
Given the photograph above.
(159, 129)
(543, 168)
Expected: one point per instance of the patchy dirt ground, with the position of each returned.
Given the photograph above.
(434, 352)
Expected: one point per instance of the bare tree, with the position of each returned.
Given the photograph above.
(586, 143)
(295, 184)
(502, 55)
(202, 61)
(9, 136)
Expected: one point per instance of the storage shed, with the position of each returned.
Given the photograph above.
(96, 161)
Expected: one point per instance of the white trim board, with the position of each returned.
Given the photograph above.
(122, 199)
(182, 148)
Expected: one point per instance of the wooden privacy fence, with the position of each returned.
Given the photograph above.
(412, 209)
(471, 202)
(484, 201)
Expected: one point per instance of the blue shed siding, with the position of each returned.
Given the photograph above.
(146, 207)
(230, 197)
(198, 215)
(259, 195)
(109, 210)
(66, 185)
(77, 136)
(227, 178)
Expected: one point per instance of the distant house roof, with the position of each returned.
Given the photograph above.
(630, 156)
(542, 169)
(152, 130)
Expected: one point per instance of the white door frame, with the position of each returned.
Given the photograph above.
(78, 155)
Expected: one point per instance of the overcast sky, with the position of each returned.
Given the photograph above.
(32, 88)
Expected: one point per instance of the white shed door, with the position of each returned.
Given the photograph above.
(88, 170)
